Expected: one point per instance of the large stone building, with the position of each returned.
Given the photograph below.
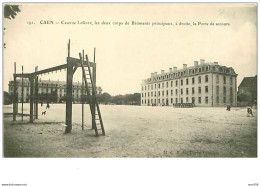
(47, 86)
(204, 84)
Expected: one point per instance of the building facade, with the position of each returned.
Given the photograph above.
(204, 84)
(47, 86)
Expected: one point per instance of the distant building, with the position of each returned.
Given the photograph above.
(204, 84)
(247, 91)
(47, 86)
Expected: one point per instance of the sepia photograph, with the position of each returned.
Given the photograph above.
(129, 80)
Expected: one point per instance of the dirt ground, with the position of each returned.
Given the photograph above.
(134, 131)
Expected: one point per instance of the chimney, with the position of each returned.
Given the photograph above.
(202, 61)
(215, 63)
(184, 66)
(151, 74)
(196, 63)
(155, 73)
(162, 71)
(175, 69)
(170, 69)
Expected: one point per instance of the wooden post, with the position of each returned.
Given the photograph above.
(22, 93)
(82, 93)
(14, 94)
(69, 48)
(36, 97)
(31, 98)
(69, 96)
(94, 89)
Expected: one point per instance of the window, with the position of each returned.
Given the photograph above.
(171, 92)
(181, 91)
(171, 83)
(199, 99)
(155, 86)
(158, 100)
(224, 90)
(224, 79)
(145, 101)
(206, 78)
(217, 78)
(152, 94)
(152, 87)
(199, 79)
(206, 89)
(166, 92)
(193, 100)
(187, 81)
(181, 100)
(193, 90)
(217, 89)
(176, 92)
(176, 100)
(158, 93)
(206, 99)
(217, 99)
(231, 80)
(162, 85)
(162, 93)
(144, 94)
(231, 91)
(171, 100)
(166, 84)
(193, 80)
(181, 82)
(187, 100)
(176, 83)
(159, 85)
(224, 99)
(142, 101)
(199, 90)
(148, 87)
(187, 91)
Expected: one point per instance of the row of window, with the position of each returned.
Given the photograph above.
(148, 94)
(161, 85)
(191, 72)
(199, 100)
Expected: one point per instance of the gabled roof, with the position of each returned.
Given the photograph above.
(248, 82)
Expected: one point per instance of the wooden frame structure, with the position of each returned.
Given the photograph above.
(71, 67)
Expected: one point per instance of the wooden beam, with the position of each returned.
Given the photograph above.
(31, 99)
(36, 97)
(78, 62)
(22, 93)
(69, 96)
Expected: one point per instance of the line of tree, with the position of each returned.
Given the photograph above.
(105, 98)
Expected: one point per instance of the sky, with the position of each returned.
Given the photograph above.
(127, 54)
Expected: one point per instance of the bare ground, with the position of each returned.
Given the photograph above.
(135, 131)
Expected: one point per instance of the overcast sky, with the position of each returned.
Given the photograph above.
(125, 55)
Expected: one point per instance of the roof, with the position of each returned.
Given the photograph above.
(248, 82)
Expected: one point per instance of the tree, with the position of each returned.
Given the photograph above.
(105, 98)
(7, 98)
(10, 11)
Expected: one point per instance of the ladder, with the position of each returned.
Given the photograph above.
(92, 97)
